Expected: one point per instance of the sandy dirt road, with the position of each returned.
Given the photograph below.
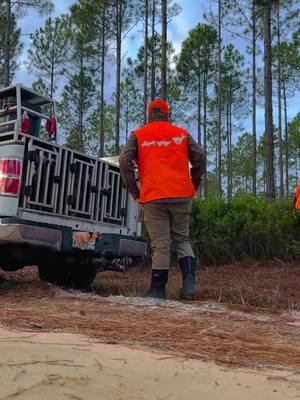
(67, 366)
(58, 344)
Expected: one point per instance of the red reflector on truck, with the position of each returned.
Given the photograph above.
(10, 174)
(10, 186)
(10, 167)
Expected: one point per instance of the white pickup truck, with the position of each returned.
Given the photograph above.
(64, 211)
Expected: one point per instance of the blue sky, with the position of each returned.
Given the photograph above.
(192, 13)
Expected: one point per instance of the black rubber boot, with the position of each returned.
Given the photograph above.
(188, 266)
(158, 284)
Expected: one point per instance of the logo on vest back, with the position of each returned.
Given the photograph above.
(178, 140)
(163, 143)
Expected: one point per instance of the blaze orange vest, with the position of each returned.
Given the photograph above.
(297, 205)
(163, 162)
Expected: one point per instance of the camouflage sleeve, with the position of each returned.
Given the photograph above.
(197, 159)
(127, 160)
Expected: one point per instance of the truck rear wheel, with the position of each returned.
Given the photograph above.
(71, 276)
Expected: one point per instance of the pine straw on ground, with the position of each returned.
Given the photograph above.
(273, 284)
(208, 331)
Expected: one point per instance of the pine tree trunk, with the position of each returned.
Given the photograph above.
(216, 165)
(103, 52)
(230, 148)
(228, 151)
(153, 52)
(279, 106)
(81, 94)
(264, 178)
(146, 62)
(286, 128)
(52, 81)
(199, 101)
(127, 116)
(199, 120)
(205, 128)
(118, 75)
(6, 80)
(254, 138)
(269, 140)
(219, 121)
(164, 51)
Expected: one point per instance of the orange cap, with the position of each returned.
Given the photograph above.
(158, 104)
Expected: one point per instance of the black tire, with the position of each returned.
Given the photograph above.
(48, 273)
(82, 276)
(71, 276)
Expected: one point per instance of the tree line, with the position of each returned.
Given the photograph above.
(241, 56)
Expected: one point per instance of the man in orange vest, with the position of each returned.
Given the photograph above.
(162, 153)
(297, 198)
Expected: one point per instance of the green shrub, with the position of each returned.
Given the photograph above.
(224, 232)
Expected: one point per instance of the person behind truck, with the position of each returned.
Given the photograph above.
(162, 153)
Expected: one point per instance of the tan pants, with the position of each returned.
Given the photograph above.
(166, 220)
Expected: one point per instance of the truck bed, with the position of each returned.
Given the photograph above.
(67, 188)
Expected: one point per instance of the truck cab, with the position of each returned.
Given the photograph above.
(62, 210)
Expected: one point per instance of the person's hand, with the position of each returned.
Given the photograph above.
(196, 184)
(141, 211)
(135, 193)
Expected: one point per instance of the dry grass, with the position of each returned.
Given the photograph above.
(203, 330)
(273, 285)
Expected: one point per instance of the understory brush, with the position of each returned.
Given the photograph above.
(246, 227)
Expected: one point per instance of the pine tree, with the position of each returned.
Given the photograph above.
(242, 22)
(146, 42)
(132, 101)
(164, 50)
(7, 41)
(180, 99)
(294, 150)
(234, 100)
(219, 120)
(242, 164)
(160, 12)
(266, 6)
(13, 10)
(285, 19)
(140, 63)
(75, 109)
(152, 46)
(48, 53)
(290, 75)
(194, 63)
(79, 94)
(100, 23)
(15, 47)
(103, 47)
(92, 134)
(124, 15)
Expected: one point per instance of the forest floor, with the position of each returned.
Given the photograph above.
(240, 339)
